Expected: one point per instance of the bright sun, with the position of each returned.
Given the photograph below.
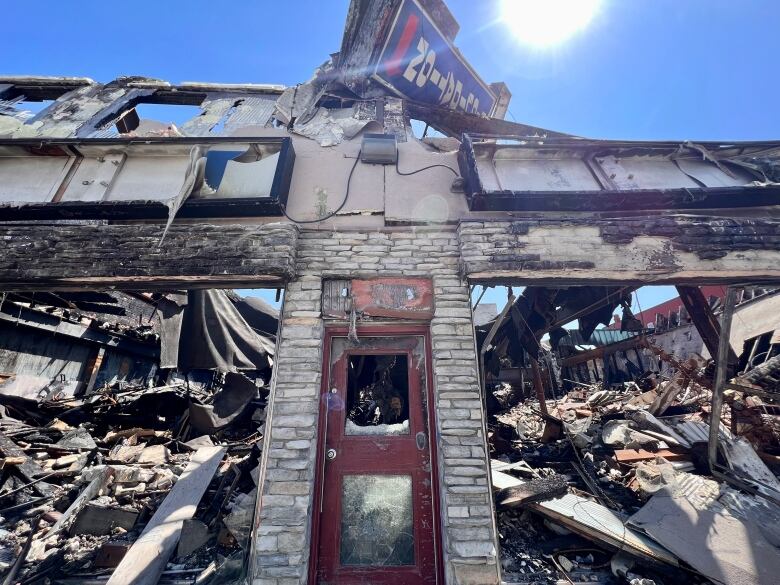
(543, 23)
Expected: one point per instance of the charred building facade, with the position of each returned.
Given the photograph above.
(373, 456)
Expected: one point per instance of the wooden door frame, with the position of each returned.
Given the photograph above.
(377, 330)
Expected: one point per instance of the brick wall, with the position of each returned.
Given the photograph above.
(284, 531)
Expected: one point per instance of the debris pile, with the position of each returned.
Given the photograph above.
(84, 479)
(612, 485)
(140, 480)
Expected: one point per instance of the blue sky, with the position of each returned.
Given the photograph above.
(643, 69)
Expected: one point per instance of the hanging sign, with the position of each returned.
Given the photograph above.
(418, 62)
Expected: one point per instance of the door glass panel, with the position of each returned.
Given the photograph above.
(377, 395)
(376, 520)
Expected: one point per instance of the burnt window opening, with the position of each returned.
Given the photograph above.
(23, 108)
(219, 127)
(377, 395)
(245, 173)
(757, 350)
(422, 129)
(150, 117)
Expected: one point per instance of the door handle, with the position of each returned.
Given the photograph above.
(330, 454)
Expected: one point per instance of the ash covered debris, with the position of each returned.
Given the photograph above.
(601, 472)
(122, 412)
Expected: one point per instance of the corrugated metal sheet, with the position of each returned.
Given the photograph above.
(590, 518)
(741, 457)
(601, 337)
(252, 111)
(695, 431)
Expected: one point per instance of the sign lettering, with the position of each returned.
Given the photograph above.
(419, 63)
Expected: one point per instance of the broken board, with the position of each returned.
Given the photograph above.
(537, 489)
(636, 455)
(145, 561)
(593, 521)
(102, 520)
(29, 470)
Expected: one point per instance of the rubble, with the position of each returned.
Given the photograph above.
(609, 482)
(122, 483)
(131, 427)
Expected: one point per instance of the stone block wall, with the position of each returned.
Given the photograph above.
(283, 534)
(678, 249)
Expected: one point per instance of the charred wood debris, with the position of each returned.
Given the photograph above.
(601, 475)
(142, 466)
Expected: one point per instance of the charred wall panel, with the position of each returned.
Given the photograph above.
(34, 360)
(65, 255)
(637, 249)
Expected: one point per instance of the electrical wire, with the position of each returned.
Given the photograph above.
(397, 170)
(331, 214)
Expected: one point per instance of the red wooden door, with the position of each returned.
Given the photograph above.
(376, 521)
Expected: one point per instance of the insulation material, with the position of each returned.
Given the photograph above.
(9, 125)
(331, 127)
(223, 114)
(300, 101)
(390, 430)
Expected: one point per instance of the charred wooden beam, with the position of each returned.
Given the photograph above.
(60, 257)
(29, 469)
(539, 386)
(705, 322)
(455, 123)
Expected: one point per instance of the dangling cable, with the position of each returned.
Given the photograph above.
(339, 208)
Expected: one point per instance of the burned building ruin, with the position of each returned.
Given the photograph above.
(156, 426)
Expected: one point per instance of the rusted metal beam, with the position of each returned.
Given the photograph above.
(567, 316)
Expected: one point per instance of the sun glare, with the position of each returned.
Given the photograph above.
(543, 23)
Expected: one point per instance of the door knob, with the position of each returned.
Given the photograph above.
(330, 454)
